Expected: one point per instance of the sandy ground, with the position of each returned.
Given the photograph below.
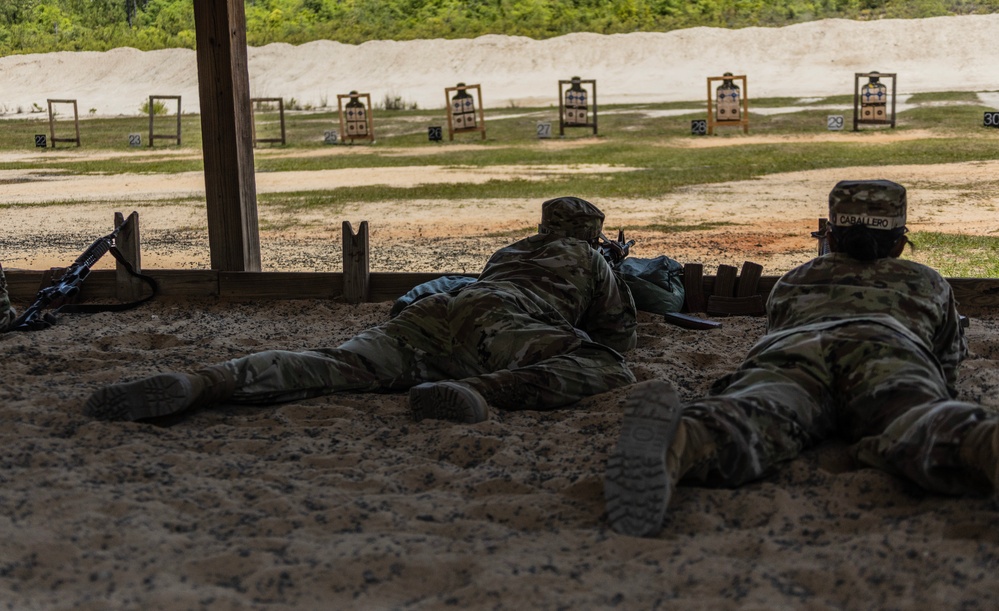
(343, 502)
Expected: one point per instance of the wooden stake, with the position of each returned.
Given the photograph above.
(127, 286)
(356, 275)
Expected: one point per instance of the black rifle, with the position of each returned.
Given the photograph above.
(614, 251)
(64, 289)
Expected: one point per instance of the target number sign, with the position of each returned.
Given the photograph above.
(699, 127)
(991, 119)
(41, 141)
(330, 136)
(435, 133)
(834, 122)
(135, 139)
(544, 130)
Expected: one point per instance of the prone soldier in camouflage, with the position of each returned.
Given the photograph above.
(860, 345)
(7, 312)
(541, 328)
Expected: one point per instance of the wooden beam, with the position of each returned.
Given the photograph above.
(975, 296)
(226, 132)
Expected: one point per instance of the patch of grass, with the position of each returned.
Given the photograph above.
(969, 97)
(956, 256)
(97, 133)
(303, 200)
(838, 100)
(956, 118)
(683, 228)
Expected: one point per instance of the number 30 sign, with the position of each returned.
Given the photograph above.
(992, 119)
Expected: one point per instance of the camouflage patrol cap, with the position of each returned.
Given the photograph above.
(878, 204)
(571, 217)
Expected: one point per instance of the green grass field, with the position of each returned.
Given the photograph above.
(942, 127)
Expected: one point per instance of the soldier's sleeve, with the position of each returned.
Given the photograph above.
(611, 319)
(949, 342)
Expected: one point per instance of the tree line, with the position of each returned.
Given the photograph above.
(42, 26)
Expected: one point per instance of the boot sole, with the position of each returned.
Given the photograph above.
(153, 397)
(447, 401)
(637, 485)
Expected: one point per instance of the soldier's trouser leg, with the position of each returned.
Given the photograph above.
(768, 411)
(555, 382)
(895, 404)
(392, 356)
(907, 423)
(276, 376)
(923, 443)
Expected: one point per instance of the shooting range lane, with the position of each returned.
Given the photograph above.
(766, 220)
(35, 187)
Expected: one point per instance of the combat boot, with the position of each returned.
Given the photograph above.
(980, 451)
(161, 395)
(448, 400)
(643, 468)
(657, 448)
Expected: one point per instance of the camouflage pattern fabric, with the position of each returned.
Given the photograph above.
(910, 298)
(864, 351)
(571, 217)
(878, 204)
(7, 313)
(540, 329)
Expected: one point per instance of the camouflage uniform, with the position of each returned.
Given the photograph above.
(540, 329)
(7, 313)
(867, 351)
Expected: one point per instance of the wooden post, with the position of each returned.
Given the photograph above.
(280, 104)
(153, 136)
(571, 118)
(127, 286)
(356, 275)
(226, 120)
(457, 123)
(743, 120)
(858, 104)
(76, 122)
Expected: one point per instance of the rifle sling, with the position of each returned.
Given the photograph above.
(90, 308)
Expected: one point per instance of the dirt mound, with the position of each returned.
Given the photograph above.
(810, 59)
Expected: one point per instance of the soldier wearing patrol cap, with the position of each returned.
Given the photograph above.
(860, 345)
(541, 328)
